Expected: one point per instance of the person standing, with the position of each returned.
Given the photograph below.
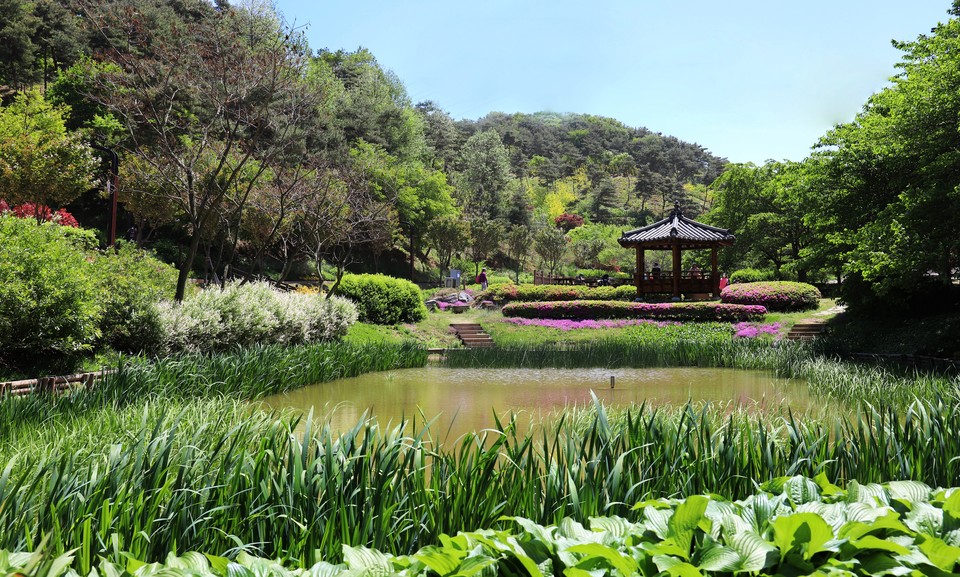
(482, 279)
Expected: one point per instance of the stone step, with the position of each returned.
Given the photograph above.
(472, 335)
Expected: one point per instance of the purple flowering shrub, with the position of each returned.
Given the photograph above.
(754, 330)
(579, 310)
(774, 295)
(506, 293)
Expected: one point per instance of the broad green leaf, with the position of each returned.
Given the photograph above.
(872, 494)
(909, 491)
(545, 535)
(238, 570)
(804, 532)
(713, 556)
(889, 523)
(613, 558)
(685, 521)
(442, 561)
(617, 526)
(573, 530)
(369, 561)
(925, 518)
(675, 567)
(951, 506)
(801, 490)
(940, 554)
(875, 543)
(755, 552)
(218, 564)
(475, 564)
(658, 521)
(826, 487)
(324, 569)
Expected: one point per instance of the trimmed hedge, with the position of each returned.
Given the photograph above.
(383, 300)
(745, 275)
(575, 310)
(507, 293)
(774, 295)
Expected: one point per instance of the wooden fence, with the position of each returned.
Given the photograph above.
(59, 384)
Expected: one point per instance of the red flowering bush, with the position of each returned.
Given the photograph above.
(695, 312)
(43, 212)
(568, 222)
(506, 293)
(774, 295)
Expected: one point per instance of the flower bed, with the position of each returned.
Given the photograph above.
(576, 310)
(775, 296)
(509, 292)
(569, 325)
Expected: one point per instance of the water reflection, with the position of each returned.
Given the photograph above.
(464, 400)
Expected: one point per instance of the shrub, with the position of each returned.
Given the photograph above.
(576, 310)
(750, 275)
(775, 295)
(132, 282)
(506, 293)
(383, 300)
(250, 314)
(48, 296)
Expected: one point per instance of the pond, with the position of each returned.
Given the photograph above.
(464, 400)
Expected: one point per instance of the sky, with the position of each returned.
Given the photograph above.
(750, 80)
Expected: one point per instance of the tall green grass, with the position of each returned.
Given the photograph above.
(217, 476)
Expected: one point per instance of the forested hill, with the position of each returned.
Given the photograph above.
(594, 166)
(240, 143)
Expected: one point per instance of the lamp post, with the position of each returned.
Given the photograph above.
(112, 184)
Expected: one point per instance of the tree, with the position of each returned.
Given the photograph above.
(550, 244)
(485, 236)
(204, 101)
(518, 247)
(449, 236)
(892, 176)
(484, 172)
(18, 27)
(40, 162)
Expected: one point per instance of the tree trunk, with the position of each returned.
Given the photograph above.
(186, 267)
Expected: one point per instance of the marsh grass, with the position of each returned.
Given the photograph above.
(218, 476)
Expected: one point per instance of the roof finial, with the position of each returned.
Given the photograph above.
(676, 207)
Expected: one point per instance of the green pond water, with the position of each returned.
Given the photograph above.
(464, 400)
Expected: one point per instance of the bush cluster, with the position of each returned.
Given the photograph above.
(383, 300)
(774, 295)
(508, 293)
(249, 314)
(696, 312)
(61, 298)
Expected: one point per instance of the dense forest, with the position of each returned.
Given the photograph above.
(241, 148)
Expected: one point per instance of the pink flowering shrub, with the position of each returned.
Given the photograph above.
(754, 330)
(567, 325)
(774, 295)
(506, 293)
(578, 310)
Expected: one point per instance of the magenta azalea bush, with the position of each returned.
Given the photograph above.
(754, 330)
(578, 310)
(509, 292)
(774, 295)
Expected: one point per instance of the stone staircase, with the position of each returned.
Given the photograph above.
(806, 330)
(472, 335)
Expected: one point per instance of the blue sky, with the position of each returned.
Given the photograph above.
(750, 80)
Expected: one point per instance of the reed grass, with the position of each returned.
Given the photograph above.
(218, 476)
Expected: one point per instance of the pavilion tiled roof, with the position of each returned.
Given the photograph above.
(676, 227)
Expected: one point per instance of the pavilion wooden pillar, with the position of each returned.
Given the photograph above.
(714, 277)
(676, 269)
(641, 267)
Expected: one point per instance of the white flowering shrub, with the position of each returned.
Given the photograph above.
(247, 314)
